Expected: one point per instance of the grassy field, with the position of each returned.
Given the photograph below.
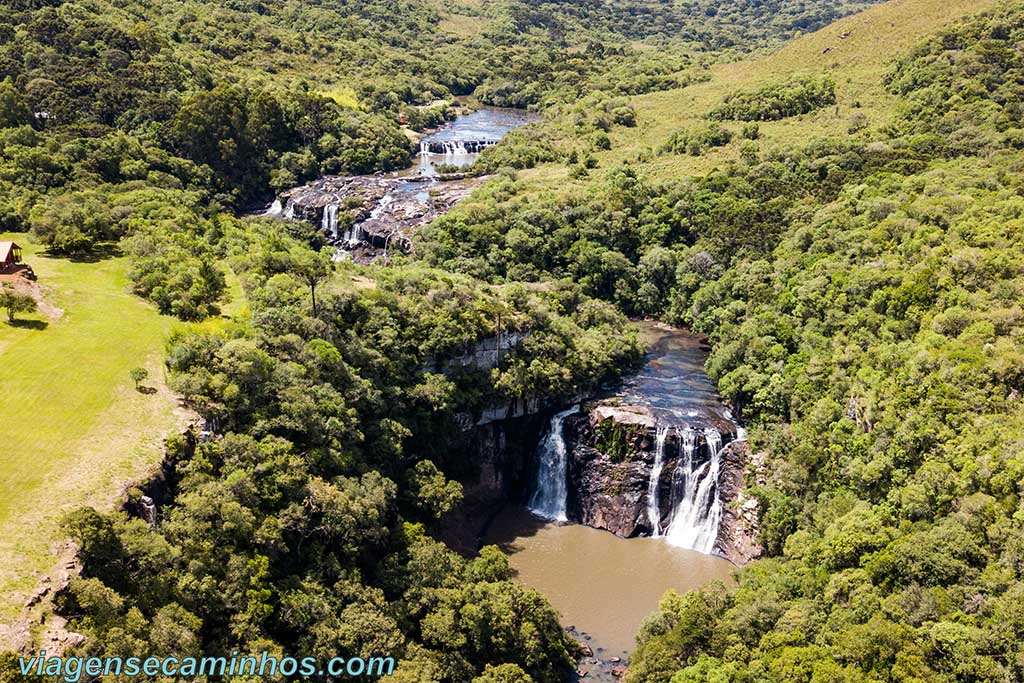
(856, 51)
(74, 430)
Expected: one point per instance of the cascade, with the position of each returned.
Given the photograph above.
(653, 506)
(454, 147)
(352, 236)
(551, 488)
(275, 210)
(681, 474)
(697, 516)
(329, 222)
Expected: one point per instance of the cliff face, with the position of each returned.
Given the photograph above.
(739, 531)
(613, 453)
(503, 458)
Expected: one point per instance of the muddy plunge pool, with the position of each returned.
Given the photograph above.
(602, 584)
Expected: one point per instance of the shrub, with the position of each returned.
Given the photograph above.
(696, 142)
(778, 100)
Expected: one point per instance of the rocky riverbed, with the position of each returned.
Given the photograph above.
(370, 215)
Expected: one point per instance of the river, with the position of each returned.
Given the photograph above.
(366, 216)
(459, 142)
(600, 583)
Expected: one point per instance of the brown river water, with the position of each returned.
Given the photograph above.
(602, 584)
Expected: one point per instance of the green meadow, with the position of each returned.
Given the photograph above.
(74, 429)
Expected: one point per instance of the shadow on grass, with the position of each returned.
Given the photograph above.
(98, 252)
(29, 324)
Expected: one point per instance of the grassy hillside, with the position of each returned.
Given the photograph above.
(856, 62)
(74, 429)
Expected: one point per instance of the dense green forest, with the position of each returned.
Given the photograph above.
(146, 121)
(862, 295)
(307, 525)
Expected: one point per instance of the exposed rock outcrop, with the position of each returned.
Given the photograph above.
(372, 212)
(609, 467)
(484, 355)
(739, 531)
(613, 453)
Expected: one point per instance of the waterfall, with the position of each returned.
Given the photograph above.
(329, 222)
(275, 210)
(550, 490)
(681, 475)
(653, 506)
(697, 516)
(454, 147)
(352, 236)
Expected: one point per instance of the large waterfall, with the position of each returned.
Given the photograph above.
(697, 512)
(653, 502)
(551, 486)
(650, 458)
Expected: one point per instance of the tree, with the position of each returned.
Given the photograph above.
(433, 493)
(14, 111)
(503, 673)
(16, 302)
(138, 376)
(312, 267)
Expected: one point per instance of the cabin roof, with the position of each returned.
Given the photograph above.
(5, 250)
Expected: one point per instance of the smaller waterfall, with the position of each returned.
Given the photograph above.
(454, 147)
(653, 504)
(329, 222)
(275, 210)
(698, 515)
(551, 488)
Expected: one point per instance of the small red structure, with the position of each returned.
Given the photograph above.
(10, 262)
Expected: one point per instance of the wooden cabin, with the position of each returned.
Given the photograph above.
(11, 264)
